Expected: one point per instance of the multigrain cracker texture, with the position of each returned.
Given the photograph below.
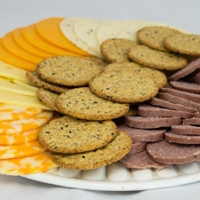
(37, 81)
(153, 36)
(111, 153)
(71, 135)
(185, 44)
(124, 86)
(156, 59)
(83, 104)
(48, 98)
(158, 76)
(116, 50)
(68, 70)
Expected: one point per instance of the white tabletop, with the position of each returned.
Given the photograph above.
(17, 13)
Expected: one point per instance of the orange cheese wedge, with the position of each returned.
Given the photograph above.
(32, 36)
(49, 30)
(21, 150)
(11, 59)
(11, 46)
(27, 165)
(24, 125)
(20, 40)
(21, 138)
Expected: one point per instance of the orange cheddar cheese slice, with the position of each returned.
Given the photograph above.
(49, 30)
(11, 59)
(20, 40)
(11, 46)
(21, 150)
(32, 36)
(27, 165)
(24, 125)
(20, 138)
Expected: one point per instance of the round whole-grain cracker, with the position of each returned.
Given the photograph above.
(187, 44)
(111, 153)
(158, 76)
(153, 36)
(37, 81)
(83, 104)
(48, 98)
(124, 86)
(156, 59)
(70, 135)
(68, 70)
(116, 49)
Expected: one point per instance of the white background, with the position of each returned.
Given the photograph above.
(17, 13)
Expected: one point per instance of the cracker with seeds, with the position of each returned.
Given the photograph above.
(188, 44)
(158, 76)
(48, 98)
(153, 36)
(156, 59)
(68, 70)
(83, 104)
(111, 153)
(98, 61)
(37, 81)
(70, 135)
(124, 86)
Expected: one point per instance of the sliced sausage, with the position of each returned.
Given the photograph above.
(185, 130)
(151, 111)
(140, 161)
(192, 121)
(151, 122)
(178, 100)
(138, 135)
(188, 87)
(168, 153)
(197, 78)
(197, 115)
(189, 69)
(137, 147)
(185, 95)
(166, 104)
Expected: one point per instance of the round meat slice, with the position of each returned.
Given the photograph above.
(188, 87)
(140, 161)
(197, 115)
(137, 147)
(151, 122)
(197, 78)
(189, 69)
(185, 95)
(167, 153)
(171, 106)
(182, 139)
(192, 121)
(138, 135)
(151, 111)
(185, 130)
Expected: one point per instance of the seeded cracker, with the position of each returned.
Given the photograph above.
(71, 135)
(111, 153)
(67, 70)
(83, 104)
(116, 50)
(153, 36)
(156, 59)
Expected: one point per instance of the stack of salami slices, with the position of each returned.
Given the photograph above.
(167, 130)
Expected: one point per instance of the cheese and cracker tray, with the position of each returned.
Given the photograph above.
(88, 95)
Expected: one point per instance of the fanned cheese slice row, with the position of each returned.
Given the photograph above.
(21, 100)
(24, 125)
(20, 138)
(22, 150)
(28, 165)
(12, 72)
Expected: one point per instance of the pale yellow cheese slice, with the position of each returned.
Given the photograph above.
(38, 163)
(24, 85)
(21, 100)
(24, 125)
(8, 85)
(12, 72)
